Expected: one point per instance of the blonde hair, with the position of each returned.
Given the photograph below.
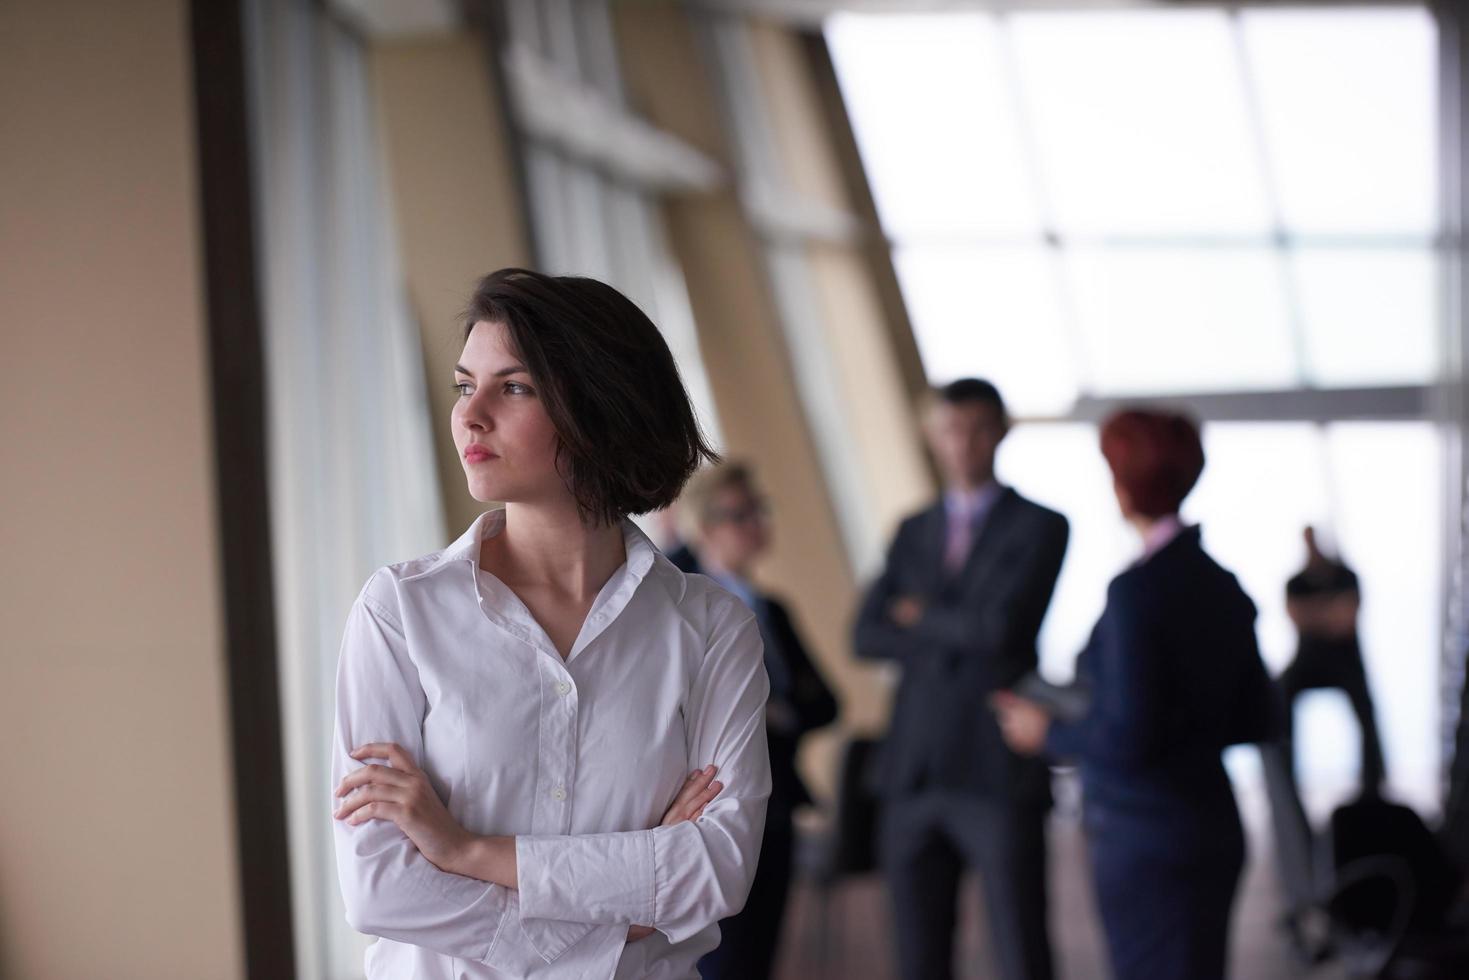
(697, 499)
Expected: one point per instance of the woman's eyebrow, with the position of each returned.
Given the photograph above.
(503, 372)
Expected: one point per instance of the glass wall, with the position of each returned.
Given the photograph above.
(1224, 204)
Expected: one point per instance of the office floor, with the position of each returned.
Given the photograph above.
(861, 938)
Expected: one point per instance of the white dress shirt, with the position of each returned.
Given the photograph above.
(578, 759)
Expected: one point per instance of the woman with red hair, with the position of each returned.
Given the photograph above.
(1175, 676)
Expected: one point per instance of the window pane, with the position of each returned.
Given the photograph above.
(1372, 486)
(1175, 320)
(1369, 315)
(1347, 99)
(1140, 122)
(991, 312)
(1263, 482)
(1387, 480)
(932, 117)
(1060, 466)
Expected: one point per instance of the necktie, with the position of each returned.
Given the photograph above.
(960, 537)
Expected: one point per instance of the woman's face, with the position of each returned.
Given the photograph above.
(505, 439)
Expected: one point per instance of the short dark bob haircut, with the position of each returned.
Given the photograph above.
(629, 440)
(1156, 456)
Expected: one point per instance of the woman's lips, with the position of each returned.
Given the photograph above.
(478, 454)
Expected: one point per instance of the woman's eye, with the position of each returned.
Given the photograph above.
(460, 387)
(516, 388)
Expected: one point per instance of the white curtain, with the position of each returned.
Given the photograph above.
(353, 481)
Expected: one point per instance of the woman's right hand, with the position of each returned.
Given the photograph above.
(693, 796)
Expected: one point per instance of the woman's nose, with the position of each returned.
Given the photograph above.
(476, 415)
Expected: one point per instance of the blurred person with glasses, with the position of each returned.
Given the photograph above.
(726, 526)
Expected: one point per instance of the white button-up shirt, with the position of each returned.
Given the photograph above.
(578, 758)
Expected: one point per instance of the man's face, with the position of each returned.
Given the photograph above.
(963, 438)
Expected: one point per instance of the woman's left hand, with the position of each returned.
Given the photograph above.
(400, 792)
(1023, 722)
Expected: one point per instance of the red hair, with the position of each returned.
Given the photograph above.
(1155, 456)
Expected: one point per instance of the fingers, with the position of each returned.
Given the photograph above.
(369, 790)
(698, 790)
(392, 751)
(687, 800)
(372, 774)
(697, 783)
(377, 810)
(696, 807)
(369, 802)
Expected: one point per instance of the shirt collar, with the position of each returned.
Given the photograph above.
(974, 502)
(641, 553)
(739, 586)
(1160, 534)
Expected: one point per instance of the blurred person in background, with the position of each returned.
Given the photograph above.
(1323, 600)
(1175, 676)
(958, 604)
(726, 527)
(518, 714)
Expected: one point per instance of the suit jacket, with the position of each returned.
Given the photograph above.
(810, 702)
(1175, 676)
(977, 635)
(795, 683)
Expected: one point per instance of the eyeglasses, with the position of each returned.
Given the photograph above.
(749, 514)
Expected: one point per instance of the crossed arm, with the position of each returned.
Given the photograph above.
(400, 793)
(410, 873)
(893, 624)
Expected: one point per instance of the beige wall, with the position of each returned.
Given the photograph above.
(457, 206)
(747, 357)
(878, 402)
(116, 834)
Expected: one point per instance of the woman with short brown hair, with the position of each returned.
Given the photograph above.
(530, 721)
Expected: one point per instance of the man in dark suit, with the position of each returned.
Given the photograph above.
(727, 527)
(958, 605)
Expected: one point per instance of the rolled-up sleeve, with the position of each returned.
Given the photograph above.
(683, 878)
(388, 887)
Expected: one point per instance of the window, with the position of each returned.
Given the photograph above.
(1097, 205)
(1154, 201)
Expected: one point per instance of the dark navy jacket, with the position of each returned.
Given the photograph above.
(1175, 676)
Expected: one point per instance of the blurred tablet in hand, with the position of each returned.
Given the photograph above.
(1068, 702)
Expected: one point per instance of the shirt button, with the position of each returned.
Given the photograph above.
(558, 794)
(562, 688)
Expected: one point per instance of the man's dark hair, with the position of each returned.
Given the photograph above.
(628, 436)
(967, 390)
